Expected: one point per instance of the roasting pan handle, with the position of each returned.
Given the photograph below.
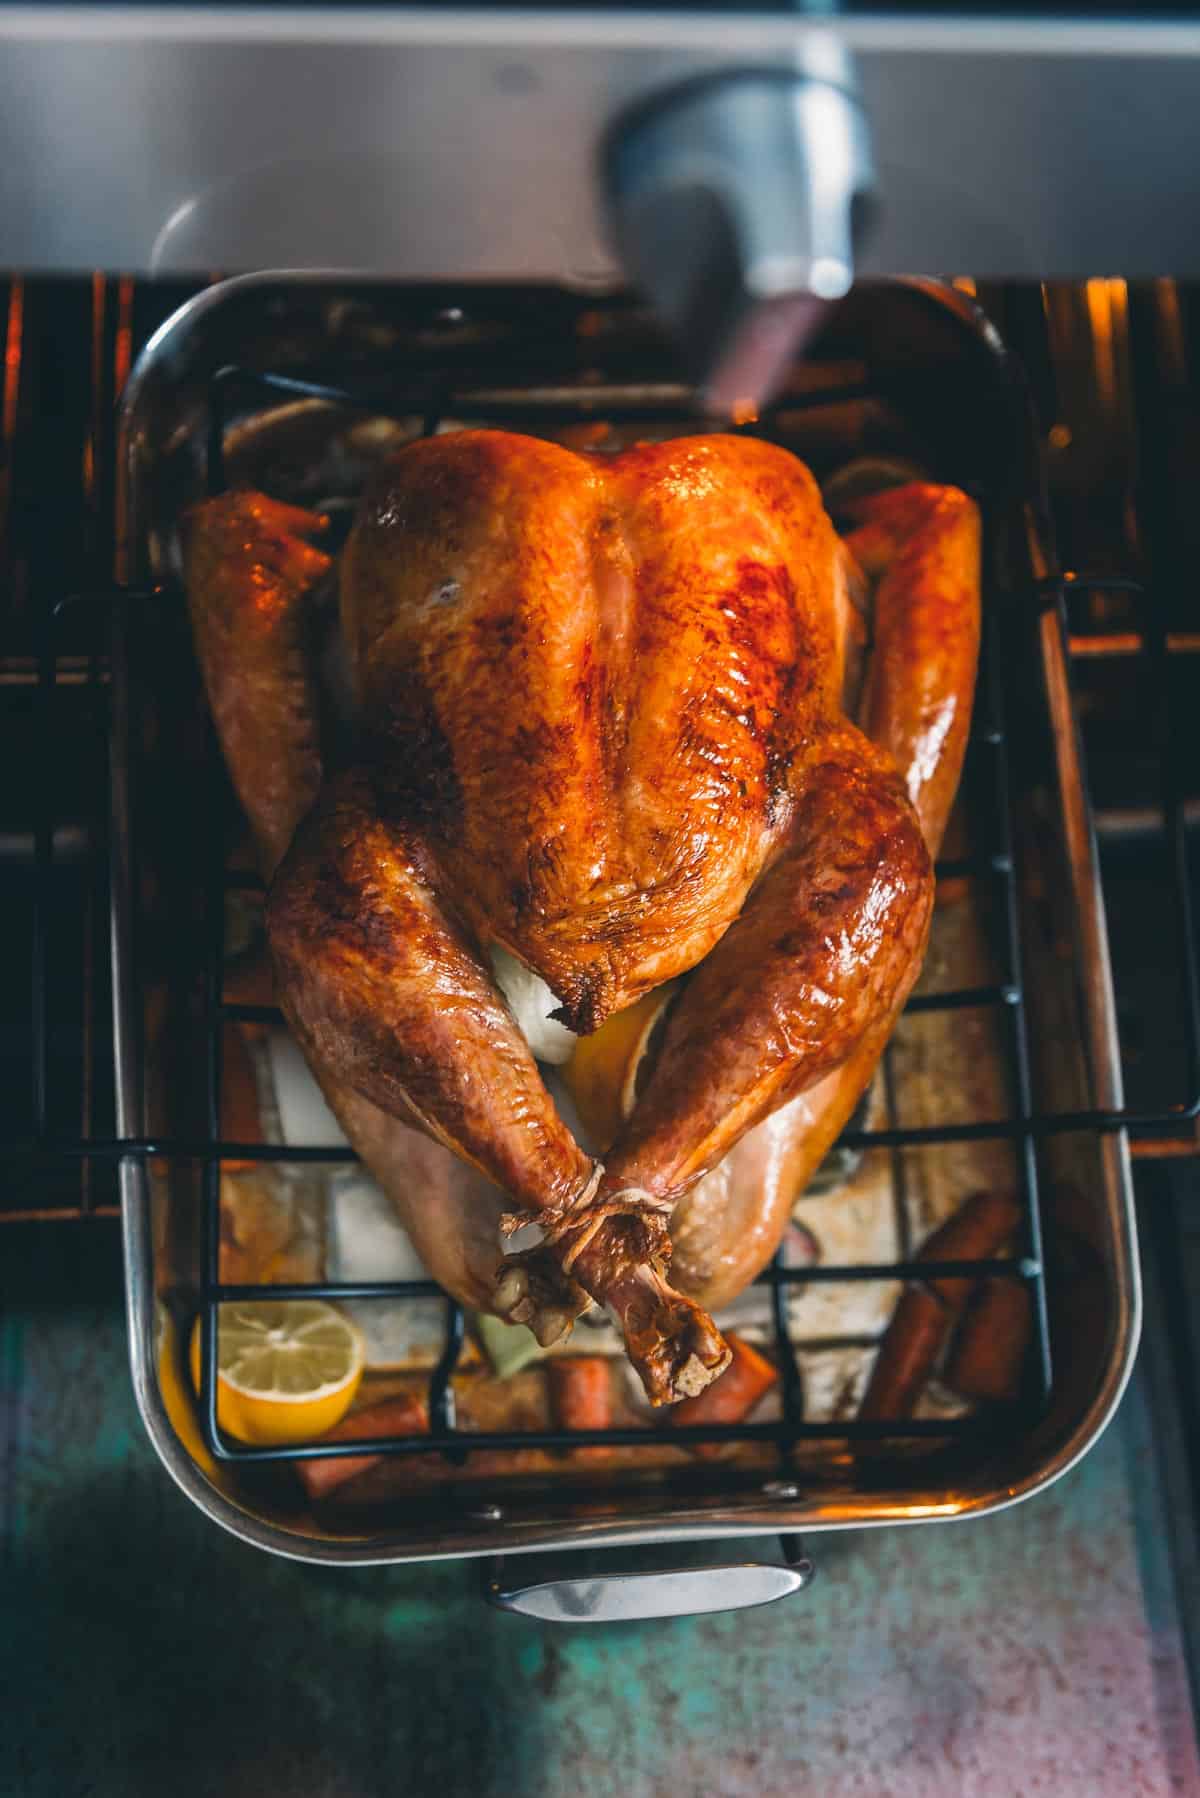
(603, 1597)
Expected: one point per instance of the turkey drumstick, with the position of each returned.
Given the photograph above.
(825, 951)
(919, 544)
(252, 582)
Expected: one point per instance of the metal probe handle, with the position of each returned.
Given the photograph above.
(735, 202)
(664, 1592)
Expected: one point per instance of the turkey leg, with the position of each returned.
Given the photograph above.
(919, 546)
(252, 581)
(826, 948)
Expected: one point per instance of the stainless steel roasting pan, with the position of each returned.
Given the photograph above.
(249, 380)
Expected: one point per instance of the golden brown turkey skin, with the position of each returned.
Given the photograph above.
(829, 942)
(602, 728)
(250, 574)
(388, 997)
(920, 544)
(383, 987)
(588, 680)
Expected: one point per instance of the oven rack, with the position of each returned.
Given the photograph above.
(95, 1146)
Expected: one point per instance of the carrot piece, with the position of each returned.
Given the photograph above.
(404, 1415)
(581, 1395)
(581, 1391)
(977, 1231)
(730, 1398)
(927, 1313)
(907, 1355)
(988, 1353)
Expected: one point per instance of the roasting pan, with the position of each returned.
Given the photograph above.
(243, 381)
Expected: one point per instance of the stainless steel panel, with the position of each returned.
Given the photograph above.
(464, 144)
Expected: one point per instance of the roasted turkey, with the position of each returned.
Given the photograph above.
(604, 734)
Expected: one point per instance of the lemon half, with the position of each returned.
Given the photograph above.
(287, 1369)
(177, 1401)
(602, 1074)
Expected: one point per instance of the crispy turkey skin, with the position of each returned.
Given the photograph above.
(602, 728)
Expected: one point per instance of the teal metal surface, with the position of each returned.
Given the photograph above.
(143, 1651)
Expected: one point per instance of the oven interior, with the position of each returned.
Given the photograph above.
(1078, 435)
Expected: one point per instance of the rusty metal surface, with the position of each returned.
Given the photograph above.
(1034, 1652)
